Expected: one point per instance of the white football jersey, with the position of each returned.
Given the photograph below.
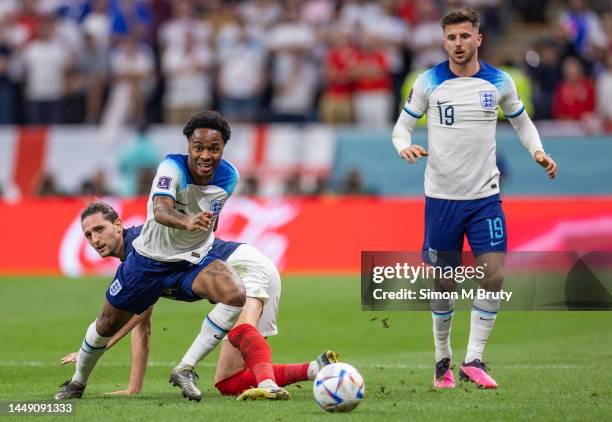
(461, 125)
(163, 243)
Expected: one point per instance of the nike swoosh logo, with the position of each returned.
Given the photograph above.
(496, 243)
(443, 102)
(218, 337)
(487, 319)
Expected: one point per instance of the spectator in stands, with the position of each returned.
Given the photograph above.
(95, 186)
(145, 180)
(391, 33)
(371, 73)
(574, 95)
(352, 183)
(545, 75)
(293, 184)
(336, 104)
(249, 186)
(129, 18)
(97, 23)
(7, 88)
(94, 69)
(426, 37)
(45, 61)
(47, 186)
(320, 186)
(294, 68)
(318, 13)
(132, 71)
(604, 94)
(584, 28)
(242, 71)
(187, 66)
(29, 17)
(357, 12)
(260, 13)
(184, 27)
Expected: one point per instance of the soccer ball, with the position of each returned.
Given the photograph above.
(338, 388)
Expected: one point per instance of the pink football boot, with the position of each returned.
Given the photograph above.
(476, 372)
(444, 377)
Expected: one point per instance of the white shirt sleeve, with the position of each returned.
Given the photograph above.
(414, 108)
(527, 133)
(510, 103)
(168, 180)
(514, 110)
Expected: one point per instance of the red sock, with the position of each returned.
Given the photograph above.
(243, 380)
(237, 383)
(255, 351)
(290, 373)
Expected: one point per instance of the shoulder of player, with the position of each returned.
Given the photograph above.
(176, 164)
(433, 77)
(226, 176)
(495, 76)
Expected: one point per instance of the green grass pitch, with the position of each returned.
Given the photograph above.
(550, 366)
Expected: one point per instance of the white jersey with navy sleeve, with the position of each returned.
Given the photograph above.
(163, 243)
(461, 123)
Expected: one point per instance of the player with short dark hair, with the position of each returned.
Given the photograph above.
(174, 251)
(461, 97)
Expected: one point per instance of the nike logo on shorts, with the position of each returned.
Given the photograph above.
(443, 102)
(496, 243)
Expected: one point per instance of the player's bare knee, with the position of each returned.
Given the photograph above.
(236, 296)
(104, 327)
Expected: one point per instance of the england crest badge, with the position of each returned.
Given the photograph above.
(215, 206)
(487, 100)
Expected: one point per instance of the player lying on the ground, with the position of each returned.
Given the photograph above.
(172, 251)
(103, 229)
(461, 97)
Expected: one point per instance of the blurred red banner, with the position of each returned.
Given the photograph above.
(307, 235)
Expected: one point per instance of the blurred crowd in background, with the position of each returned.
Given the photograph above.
(115, 62)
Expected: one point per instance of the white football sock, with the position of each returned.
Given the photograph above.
(94, 345)
(442, 312)
(267, 384)
(313, 369)
(215, 326)
(484, 312)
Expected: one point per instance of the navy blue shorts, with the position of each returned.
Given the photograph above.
(141, 281)
(182, 291)
(482, 221)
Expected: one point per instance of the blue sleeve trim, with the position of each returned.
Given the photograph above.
(412, 113)
(510, 116)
